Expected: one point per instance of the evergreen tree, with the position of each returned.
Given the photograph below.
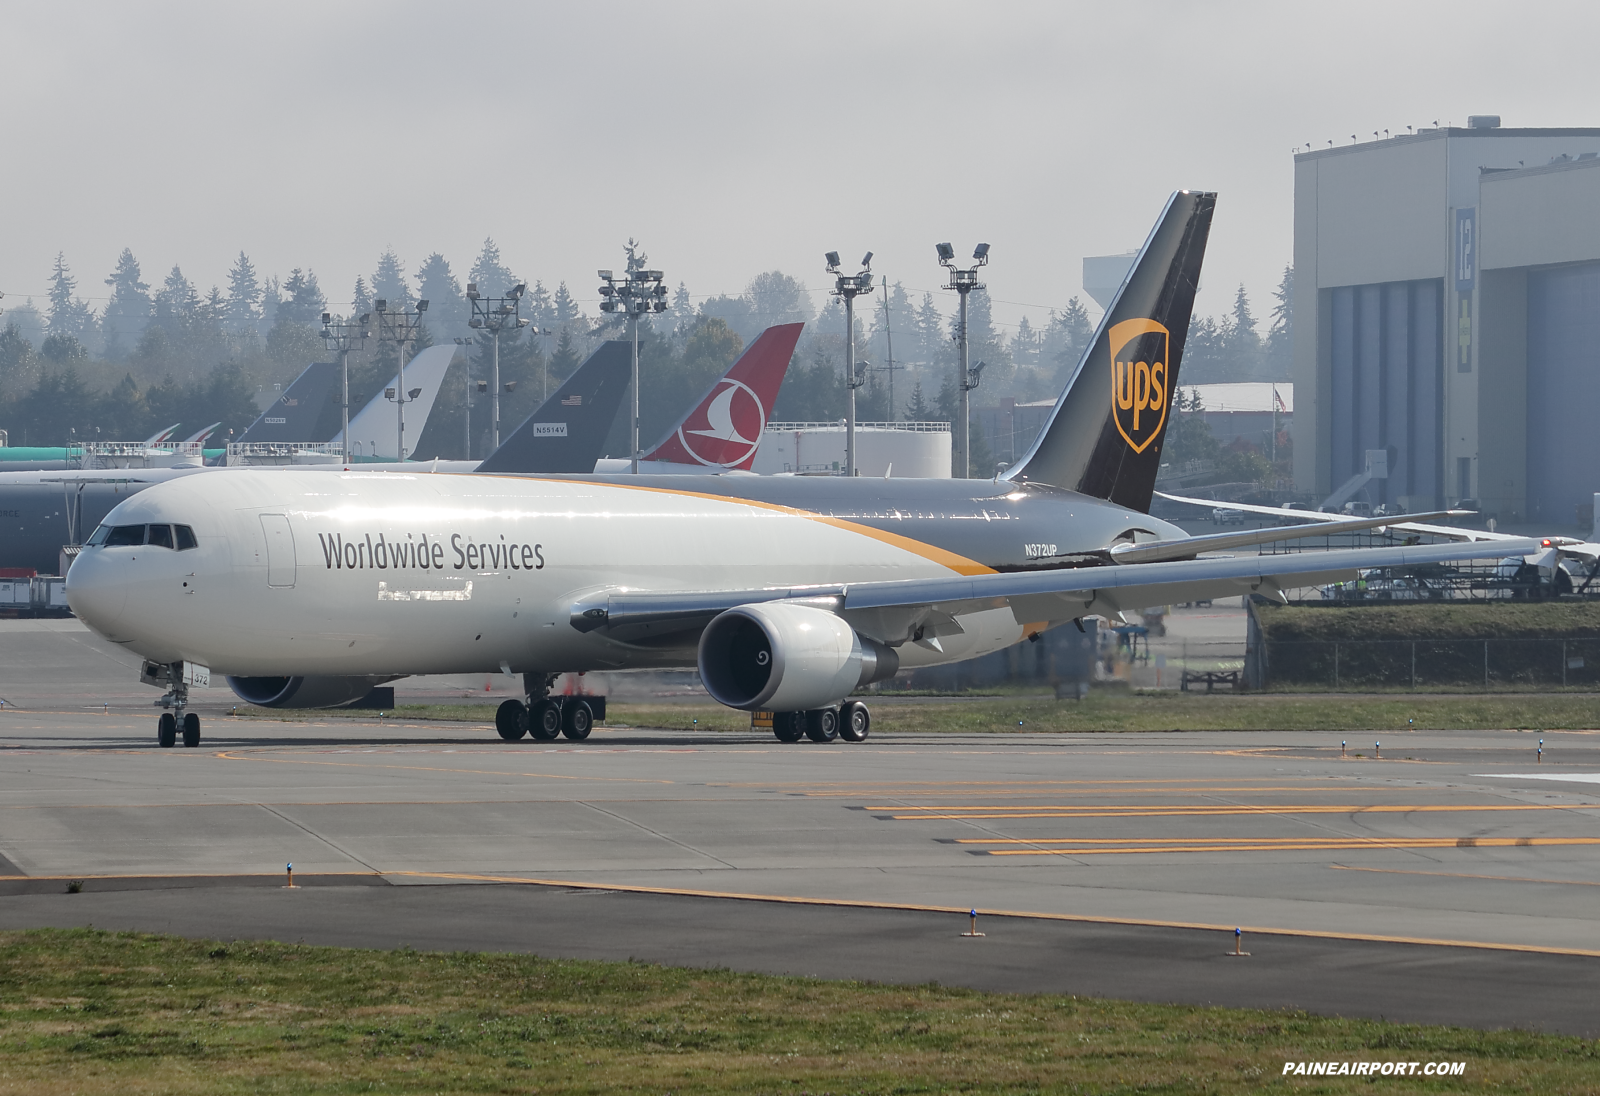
(1025, 345)
(1068, 338)
(930, 344)
(1280, 340)
(176, 304)
(488, 273)
(68, 315)
(1242, 347)
(566, 357)
(244, 295)
(62, 348)
(567, 308)
(437, 284)
(271, 298)
(16, 352)
(128, 311)
(214, 310)
(389, 282)
(360, 298)
(305, 302)
(776, 298)
(682, 307)
(917, 408)
(539, 309)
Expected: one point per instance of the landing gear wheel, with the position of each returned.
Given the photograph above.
(544, 721)
(855, 722)
(167, 731)
(511, 720)
(789, 726)
(822, 725)
(576, 721)
(191, 731)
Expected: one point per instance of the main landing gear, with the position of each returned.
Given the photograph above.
(544, 718)
(850, 721)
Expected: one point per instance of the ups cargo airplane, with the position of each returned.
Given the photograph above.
(787, 593)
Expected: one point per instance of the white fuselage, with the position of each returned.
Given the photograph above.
(318, 573)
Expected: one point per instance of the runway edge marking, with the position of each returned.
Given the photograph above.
(1313, 934)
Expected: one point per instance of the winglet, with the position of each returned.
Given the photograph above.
(724, 428)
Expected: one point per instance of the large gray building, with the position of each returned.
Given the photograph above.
(1446, 311)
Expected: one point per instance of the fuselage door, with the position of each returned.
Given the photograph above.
(280, 549)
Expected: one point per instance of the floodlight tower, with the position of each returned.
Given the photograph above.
(493, 314)
(637, 293)
(964, 282)
(345, 337)
(402, 329)
(849, 287)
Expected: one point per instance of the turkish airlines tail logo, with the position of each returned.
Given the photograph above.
(724, 429)
(1139, 380)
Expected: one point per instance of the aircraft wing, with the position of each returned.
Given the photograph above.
(1189, 547)
(1404, 525)
(898, 610)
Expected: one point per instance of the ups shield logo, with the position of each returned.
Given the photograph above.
(1139, 381)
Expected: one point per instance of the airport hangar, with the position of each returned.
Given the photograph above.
(1446, 309)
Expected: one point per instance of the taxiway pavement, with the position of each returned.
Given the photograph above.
(1452, 879)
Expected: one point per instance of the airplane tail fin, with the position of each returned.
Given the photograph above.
(374, 430)
(1105, 436)
(724, 428)
(569, 429)
(199, 436)
(293, 416)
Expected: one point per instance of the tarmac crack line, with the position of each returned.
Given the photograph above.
(657, 833)
(309, 832)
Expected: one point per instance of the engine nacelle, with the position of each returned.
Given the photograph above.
(787, 658)
(303, 692)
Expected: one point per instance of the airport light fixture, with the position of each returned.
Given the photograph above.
(849, 287)
(494, 314)
(344, 337)
(964, 281)
(638, 292)
(401, 328)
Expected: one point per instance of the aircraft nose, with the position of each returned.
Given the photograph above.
(96, 591)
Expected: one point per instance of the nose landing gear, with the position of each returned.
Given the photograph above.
(177, 677)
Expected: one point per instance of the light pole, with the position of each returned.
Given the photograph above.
(850, 286)
(964, 282)
(344, 337)
(888, 336)
(492, 314)
(402, 329)
(637, 293)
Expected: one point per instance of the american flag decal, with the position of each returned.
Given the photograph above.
(572, 401)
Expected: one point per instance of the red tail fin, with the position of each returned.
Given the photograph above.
(724, 428)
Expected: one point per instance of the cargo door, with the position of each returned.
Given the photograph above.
(280, 549)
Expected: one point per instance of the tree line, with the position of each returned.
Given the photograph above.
(152, 355)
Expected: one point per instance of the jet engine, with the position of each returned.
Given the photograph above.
(788, 658)
(303, 692)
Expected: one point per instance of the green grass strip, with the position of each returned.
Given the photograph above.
(87, 1012)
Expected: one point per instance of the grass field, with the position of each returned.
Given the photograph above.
(1147, 711)
(92, 1012)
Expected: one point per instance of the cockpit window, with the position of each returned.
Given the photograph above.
(185, 537)
(99, 535)
(160, 535)
(122, 536)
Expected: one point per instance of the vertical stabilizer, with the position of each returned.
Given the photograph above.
(723, 430)
(568, 430)
(1106, 434)
(293, 416)
(375, 429)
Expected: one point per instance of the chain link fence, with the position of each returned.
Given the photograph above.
(1424, 664)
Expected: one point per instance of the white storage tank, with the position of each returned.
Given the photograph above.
(901, 450)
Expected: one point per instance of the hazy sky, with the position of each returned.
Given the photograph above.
(730, 138)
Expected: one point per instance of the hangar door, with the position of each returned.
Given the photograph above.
(280, 549)
(1563, 391)
(1387, 378)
